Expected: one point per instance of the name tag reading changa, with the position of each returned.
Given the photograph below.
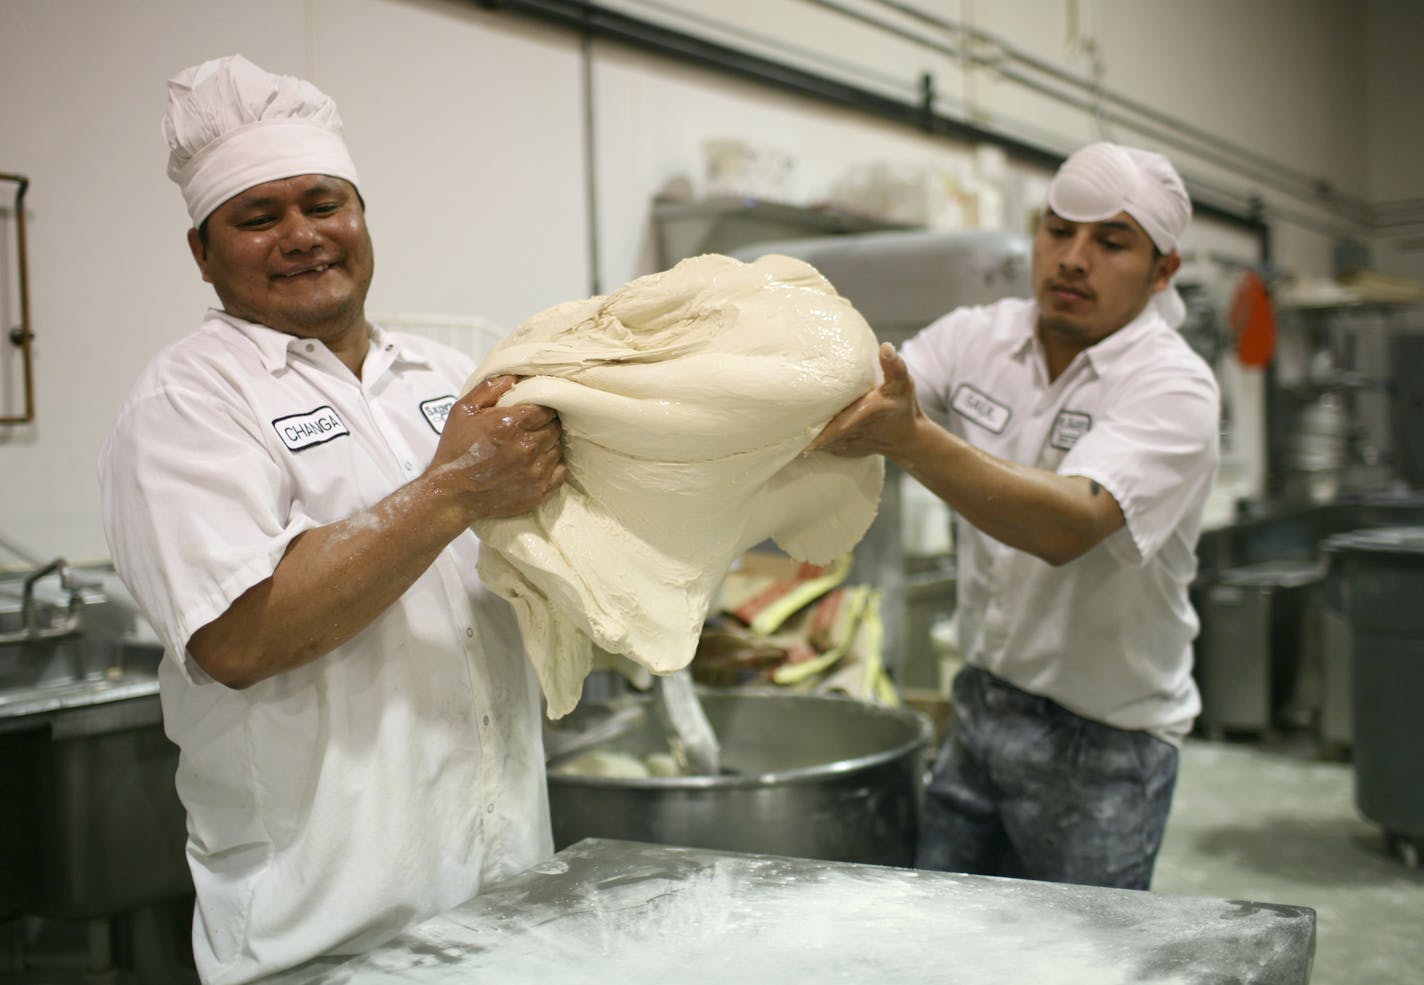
(301, 431)
(981, 408)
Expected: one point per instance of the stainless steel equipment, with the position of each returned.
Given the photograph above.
(1258, 656)
(721, 224)
(902, 281)
(1339, 375)
(691, 737)
(93, 827)
(804, 775)
(1290, 536)
(610, 911)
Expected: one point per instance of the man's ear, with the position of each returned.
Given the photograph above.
(1166, 266)
(200, 253)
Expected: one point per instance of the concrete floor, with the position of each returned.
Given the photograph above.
(1275, 824)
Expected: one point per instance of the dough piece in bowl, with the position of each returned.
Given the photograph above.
(687, 399)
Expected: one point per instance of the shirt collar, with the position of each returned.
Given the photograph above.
(383, 340)
(274, 347)
(1146, 323)
(1105, 350)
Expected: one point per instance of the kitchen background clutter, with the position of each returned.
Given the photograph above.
(903, 149)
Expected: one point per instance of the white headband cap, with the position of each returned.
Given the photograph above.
(231, 125)
(1100, 180)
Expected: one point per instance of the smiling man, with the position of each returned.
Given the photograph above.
(307, 278)
(1075, 437)
(288, 493)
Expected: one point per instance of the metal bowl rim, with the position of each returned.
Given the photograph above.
(804, 774)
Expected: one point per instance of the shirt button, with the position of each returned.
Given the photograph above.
(408, 467)
(489, 809)
(486, 719)
(469, 632)
(310, 347)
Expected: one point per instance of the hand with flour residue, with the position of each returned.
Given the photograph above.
(882, 420)
(333, 581)
(498, 461)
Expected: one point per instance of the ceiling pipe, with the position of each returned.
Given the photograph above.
(593, 18)
(1168, 129)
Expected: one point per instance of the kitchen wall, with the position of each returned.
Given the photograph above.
(1395, 134)
(469, 129)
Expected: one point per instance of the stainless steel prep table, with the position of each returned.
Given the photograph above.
(640, 914)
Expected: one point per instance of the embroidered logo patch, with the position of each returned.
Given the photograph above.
(436, 411)
(1068, 427)
(316, 427)
(981, 408)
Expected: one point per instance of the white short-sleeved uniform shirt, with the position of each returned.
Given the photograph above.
(1108, 635)
(332, 804)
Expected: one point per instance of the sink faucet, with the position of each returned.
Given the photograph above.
(30, 629)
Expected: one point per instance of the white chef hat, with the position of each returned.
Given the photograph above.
(231, 125)
(1100, 180)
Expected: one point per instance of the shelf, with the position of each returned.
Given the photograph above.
(721, 225)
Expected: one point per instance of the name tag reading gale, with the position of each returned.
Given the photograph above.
(316, 427)
(436, 411)
(1068, 427)
(981, 408)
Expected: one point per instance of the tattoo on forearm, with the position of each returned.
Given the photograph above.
(1092, 485)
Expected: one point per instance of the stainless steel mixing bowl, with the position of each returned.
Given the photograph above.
(803, 775)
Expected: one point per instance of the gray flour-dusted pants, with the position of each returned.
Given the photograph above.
(1025, 788)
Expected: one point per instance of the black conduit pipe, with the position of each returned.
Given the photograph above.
(21, 336)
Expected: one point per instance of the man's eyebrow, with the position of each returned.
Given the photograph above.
(267, 201)
(255, 202)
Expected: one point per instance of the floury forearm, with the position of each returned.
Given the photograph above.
(331, 583)
(334, 581)
(1054, 517)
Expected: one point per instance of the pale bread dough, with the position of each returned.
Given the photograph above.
(687, 399)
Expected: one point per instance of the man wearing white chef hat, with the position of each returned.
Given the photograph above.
(287, 492)
(1075, 437)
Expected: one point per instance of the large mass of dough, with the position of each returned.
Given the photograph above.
(687, 399)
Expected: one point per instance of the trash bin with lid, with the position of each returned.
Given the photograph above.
(1376, 578)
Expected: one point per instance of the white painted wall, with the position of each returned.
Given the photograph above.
(467, 132)
(468, 129)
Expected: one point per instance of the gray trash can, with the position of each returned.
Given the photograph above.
(1257, 655)
(1376, 579)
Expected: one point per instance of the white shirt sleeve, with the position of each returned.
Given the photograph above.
(195, 507)
(931, 358)
(1155, 448)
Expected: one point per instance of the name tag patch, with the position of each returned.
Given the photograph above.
(436, 411)
(1068, 427)
(981, 408)
(301, 431)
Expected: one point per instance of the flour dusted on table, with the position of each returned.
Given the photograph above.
(687, 400)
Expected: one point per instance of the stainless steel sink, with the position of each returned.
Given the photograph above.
(93, 825)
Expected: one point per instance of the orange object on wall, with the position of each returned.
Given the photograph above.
(1253, 319)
